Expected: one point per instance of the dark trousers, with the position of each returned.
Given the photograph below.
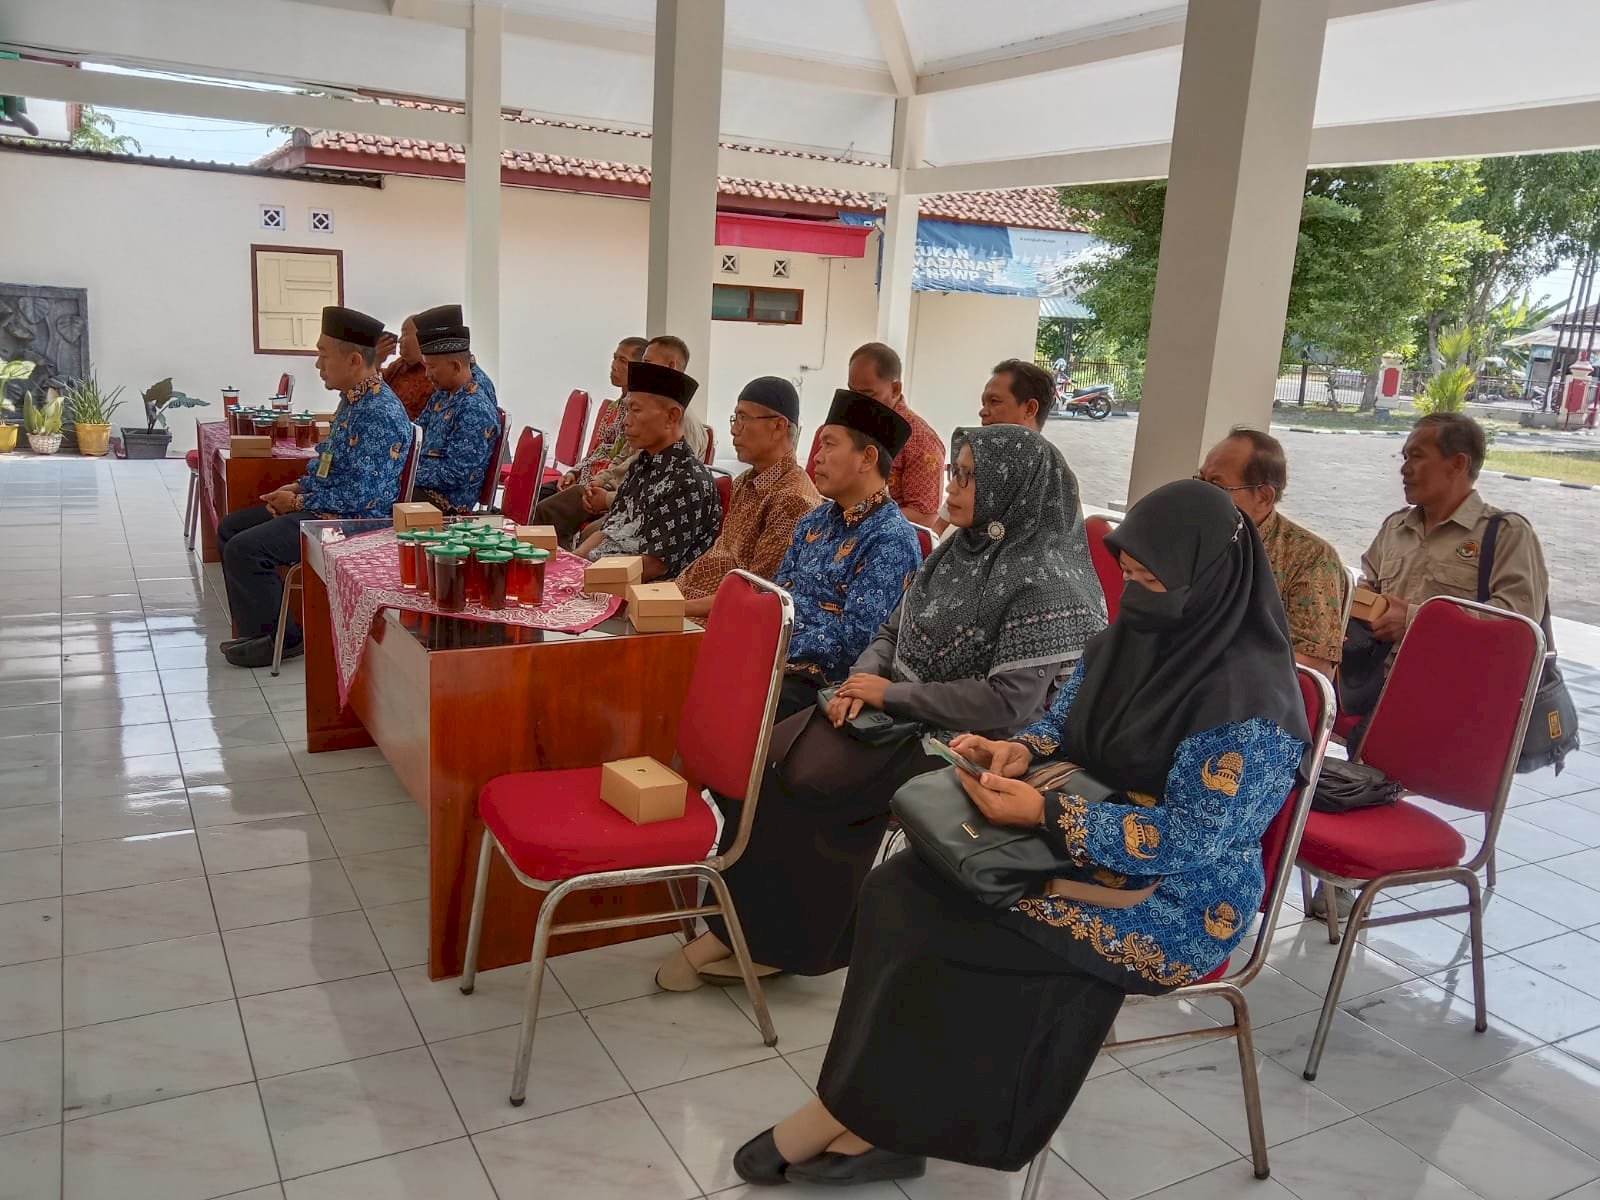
(566, 512)
(254, 545)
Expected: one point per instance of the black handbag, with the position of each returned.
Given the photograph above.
(1345, 786)
(999, 864)
(1363, 666)
(1553, 725)
(871, 726)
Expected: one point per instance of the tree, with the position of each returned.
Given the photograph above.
(1377, 247)
(98, 131)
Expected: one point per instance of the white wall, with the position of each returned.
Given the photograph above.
(956, 337)
(165, 256)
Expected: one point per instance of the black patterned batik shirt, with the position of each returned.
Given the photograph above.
(666, 508)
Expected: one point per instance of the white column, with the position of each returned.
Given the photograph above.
(483, 183)
(683, 178)
(1247, 92)
(900, 227)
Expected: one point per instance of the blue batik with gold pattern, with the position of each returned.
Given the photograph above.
(846, 570)
(368, 442)
(1201, 838)
(459, 430)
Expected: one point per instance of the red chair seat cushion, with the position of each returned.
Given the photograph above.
(1373, 841)
(505, 472)
(1345, 724)
(553, 825)
(192, 458)
(553, 474)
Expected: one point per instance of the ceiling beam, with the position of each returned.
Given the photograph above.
(891, 30)
(106, 89)
(1105, 43)
(1543, 129)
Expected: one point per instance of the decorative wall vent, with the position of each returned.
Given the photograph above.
(780, 268)
(322, 220)
(273, 217)
(730, 264)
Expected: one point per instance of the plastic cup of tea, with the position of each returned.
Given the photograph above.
(447, 569)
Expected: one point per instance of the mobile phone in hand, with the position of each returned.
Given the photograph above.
(960, 762)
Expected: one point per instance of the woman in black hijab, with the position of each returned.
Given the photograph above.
(966, 1031)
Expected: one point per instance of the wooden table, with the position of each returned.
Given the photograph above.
(228, 483)
(453, 703)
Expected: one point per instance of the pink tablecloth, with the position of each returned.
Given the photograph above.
(213, 439)
(364, 578)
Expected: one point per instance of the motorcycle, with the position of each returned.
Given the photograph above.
(1092, 402)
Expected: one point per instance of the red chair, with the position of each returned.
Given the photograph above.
(724, 483)
(522, 483)
(811, 455)
(569, 436)
(1105, 563)
(926, 538)
(558, 836)
(285, 387)
(491, 474)
(1279, 845)
(293, 576)
(710, 456)
(191, 506)
(1448, 725)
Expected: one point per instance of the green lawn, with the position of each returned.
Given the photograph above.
(1314, 416)
(1578, 466)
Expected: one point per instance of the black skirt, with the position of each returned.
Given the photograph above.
(958, 1037)
(821, 817)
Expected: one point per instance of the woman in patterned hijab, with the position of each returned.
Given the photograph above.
(1015, 587)
(996, 615)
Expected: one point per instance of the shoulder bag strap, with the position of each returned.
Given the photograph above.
(1486, 566)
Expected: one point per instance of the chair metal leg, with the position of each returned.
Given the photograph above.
(530, 1015)
(1305, 892)
(1341, 968)
(291, 584)
(1244, 1042)
(1480, 1011)
(480, 890)
(1490, 871)
(1033, 1182)
(191, 510)
(680, 899)
(741, 951)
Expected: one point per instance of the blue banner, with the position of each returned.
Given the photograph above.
(999, 260)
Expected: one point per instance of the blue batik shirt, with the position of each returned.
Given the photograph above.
(1200, 840)
(846, 570)
(368, 440)
(459, 430)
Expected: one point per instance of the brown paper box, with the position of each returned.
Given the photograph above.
(655, 600)
(542, 536)
(413, 515)
(643, 790)
(250, 445)
(613, 574)
(655, 624)
(1367, 605)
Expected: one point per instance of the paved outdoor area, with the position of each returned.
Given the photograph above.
(211, 947)
(1342, 485)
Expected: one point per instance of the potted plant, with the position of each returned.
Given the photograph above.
(20, 369)
(151, 442)
(43, 424)
(91, 410)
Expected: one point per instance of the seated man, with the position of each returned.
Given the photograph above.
(850, 558)
(606, 442)
(916, 480)
(356, 474)
(460, 424)
(1018, 393)
(667, 508)
(571, 509)
(1250, 466)
(407, 375)
(450, 314)
(766, 500)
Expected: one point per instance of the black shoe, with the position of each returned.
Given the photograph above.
(252, 652)
(845, 1170)
(232, 642)
(758, 1161)
(293, 649)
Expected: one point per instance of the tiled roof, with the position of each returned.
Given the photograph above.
(1035, 208)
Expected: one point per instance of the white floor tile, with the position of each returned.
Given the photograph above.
(132, 980)
(149, 912)
(803, 1007)
(1552, 1090)
(499, 997)
(251, 844)
(1360, 1068)
(30, 826)
(269, 895)
(270, 958)
(607, 974)
(608, 1151)
(448, 1169)
(1545, 1007)
(1471, 1136)
(671, 1036)
(30, 1083)
(257, 800)
(569, 1069)
(389, 876)
(402, 931)
(333, 1116)
(368, 830)
(1355, 1159)
(362, 787)
(30, 1164)
(30, 874)
(327, 1023)
(101, 818)
(126, 862)
(224, 1141)
(125, 1063)
(30, 998)
(29, 930)
(1439, 1026)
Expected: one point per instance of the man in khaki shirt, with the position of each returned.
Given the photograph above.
(1250, 466)
(1432, 548)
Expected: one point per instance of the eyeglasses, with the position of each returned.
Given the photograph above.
(959, 475)
(738, 419)
(1238, 487)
